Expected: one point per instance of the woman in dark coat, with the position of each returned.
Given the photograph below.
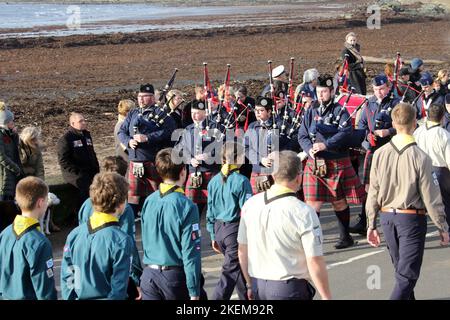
(357, 75)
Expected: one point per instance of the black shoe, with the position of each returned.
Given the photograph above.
(344, 243)
(360, 227)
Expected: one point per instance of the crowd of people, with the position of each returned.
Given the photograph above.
(259, 170)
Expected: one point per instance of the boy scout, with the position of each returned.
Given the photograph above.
(435, 142)
(227, 193)
(170, 237)
(403, 198)
(97, 255)
(280, 240)
(26, 262)
(126, 221)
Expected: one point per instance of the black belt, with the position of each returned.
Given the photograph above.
(164, 268)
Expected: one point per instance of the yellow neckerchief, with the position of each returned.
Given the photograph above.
(429, 124)
(229, 168)
(278, 190)
(165, 187)
(99, 219)
(401, 140)
(21, 224)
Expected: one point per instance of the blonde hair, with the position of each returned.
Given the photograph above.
(221, 91)
(350, 34)
(441, 74)
(171, 94)
(125, 106)
(31, 136)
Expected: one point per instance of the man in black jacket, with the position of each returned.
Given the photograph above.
(76, 156)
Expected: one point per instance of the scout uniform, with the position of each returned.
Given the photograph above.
(280, 232)
(26, 262)
(171, 243)
(330, 176)
(127, 225)
(197, 140)
(227, 193)
(439, 152)
(403, 200)
(96, 260)
(158, 127)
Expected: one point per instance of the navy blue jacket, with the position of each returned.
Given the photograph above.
(320, 127)
(424, 102)
(447, 121)
(159, 136)
(377, 116)
(210, 142)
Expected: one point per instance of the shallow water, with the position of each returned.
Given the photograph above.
(36, 19)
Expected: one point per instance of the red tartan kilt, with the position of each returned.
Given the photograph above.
(367, 165)
(253, 181)
(200, 195)
(142, 187)
(341, 182)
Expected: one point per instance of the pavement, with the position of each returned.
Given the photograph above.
(360, 272)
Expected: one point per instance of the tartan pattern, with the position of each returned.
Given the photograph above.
(340, 182)
(142, 187)
(200, 195)
(253, 181)
(367, 166)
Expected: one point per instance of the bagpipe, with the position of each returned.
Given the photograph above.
(352, 103)
(288, 97)
(207, 90)
(272, 95)
(161, 112)
(299, 112)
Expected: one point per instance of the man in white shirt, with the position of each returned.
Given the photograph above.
(434, 140)
(280, 239)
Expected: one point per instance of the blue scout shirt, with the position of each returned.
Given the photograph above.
(127, 225)
(26, 262)
(171, 233)
(96, 261)
(225, 199)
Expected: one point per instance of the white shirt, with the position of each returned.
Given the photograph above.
(279, 234)
(434, 141)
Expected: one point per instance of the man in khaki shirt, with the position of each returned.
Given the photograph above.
(403, 188)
